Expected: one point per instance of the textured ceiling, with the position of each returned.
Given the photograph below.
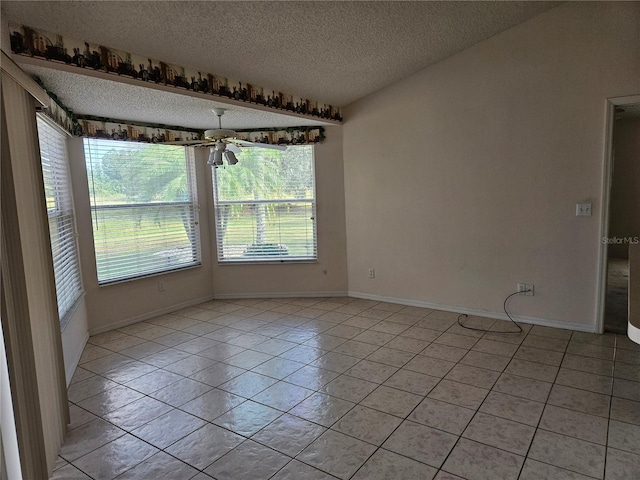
(122, 101)
(334, 52)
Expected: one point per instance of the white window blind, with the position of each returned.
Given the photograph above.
(62, 227)
(265, 206)
(144, 208)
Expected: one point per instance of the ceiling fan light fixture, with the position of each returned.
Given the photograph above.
(231, 157)
(212, 158)
(217, 158)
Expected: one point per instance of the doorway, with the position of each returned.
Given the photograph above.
(622, 219)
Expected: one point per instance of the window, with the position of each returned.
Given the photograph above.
(144, 208)
(265, 206)
(62, 226)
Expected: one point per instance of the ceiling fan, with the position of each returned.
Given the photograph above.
(223, 141)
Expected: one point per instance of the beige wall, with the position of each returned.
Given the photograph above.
(462, 179)
(326, 277)
(625, 187)
(114, 305)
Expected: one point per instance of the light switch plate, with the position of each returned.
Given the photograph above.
(583, 209)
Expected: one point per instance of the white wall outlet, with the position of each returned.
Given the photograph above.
(526, 288)
(583, 209)
(372, 273)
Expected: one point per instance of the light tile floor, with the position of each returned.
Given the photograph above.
(293, 389)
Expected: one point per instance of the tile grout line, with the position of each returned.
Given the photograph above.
(477, 410)
(606, 448)
(537, 427)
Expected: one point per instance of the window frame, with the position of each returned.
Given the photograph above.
(273, 260)
(191, 203)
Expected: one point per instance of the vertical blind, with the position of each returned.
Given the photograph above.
(144, 208)
(62, 227)
(265, 206)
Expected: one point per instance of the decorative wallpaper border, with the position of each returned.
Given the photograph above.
(63, 49)
(59, 113)
(108, 128)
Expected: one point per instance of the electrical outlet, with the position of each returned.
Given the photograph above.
(527, 288)
(372, 273)
(161, 286)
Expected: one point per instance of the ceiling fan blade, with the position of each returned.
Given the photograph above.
(245, 143)
(233, 148)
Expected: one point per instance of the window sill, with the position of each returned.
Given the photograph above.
(265, 262)
(149, 275)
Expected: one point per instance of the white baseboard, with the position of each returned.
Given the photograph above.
(580, 327)
(148, 315)
(236, 296)
(71, 368)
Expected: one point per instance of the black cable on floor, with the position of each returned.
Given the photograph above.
(504, 306)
